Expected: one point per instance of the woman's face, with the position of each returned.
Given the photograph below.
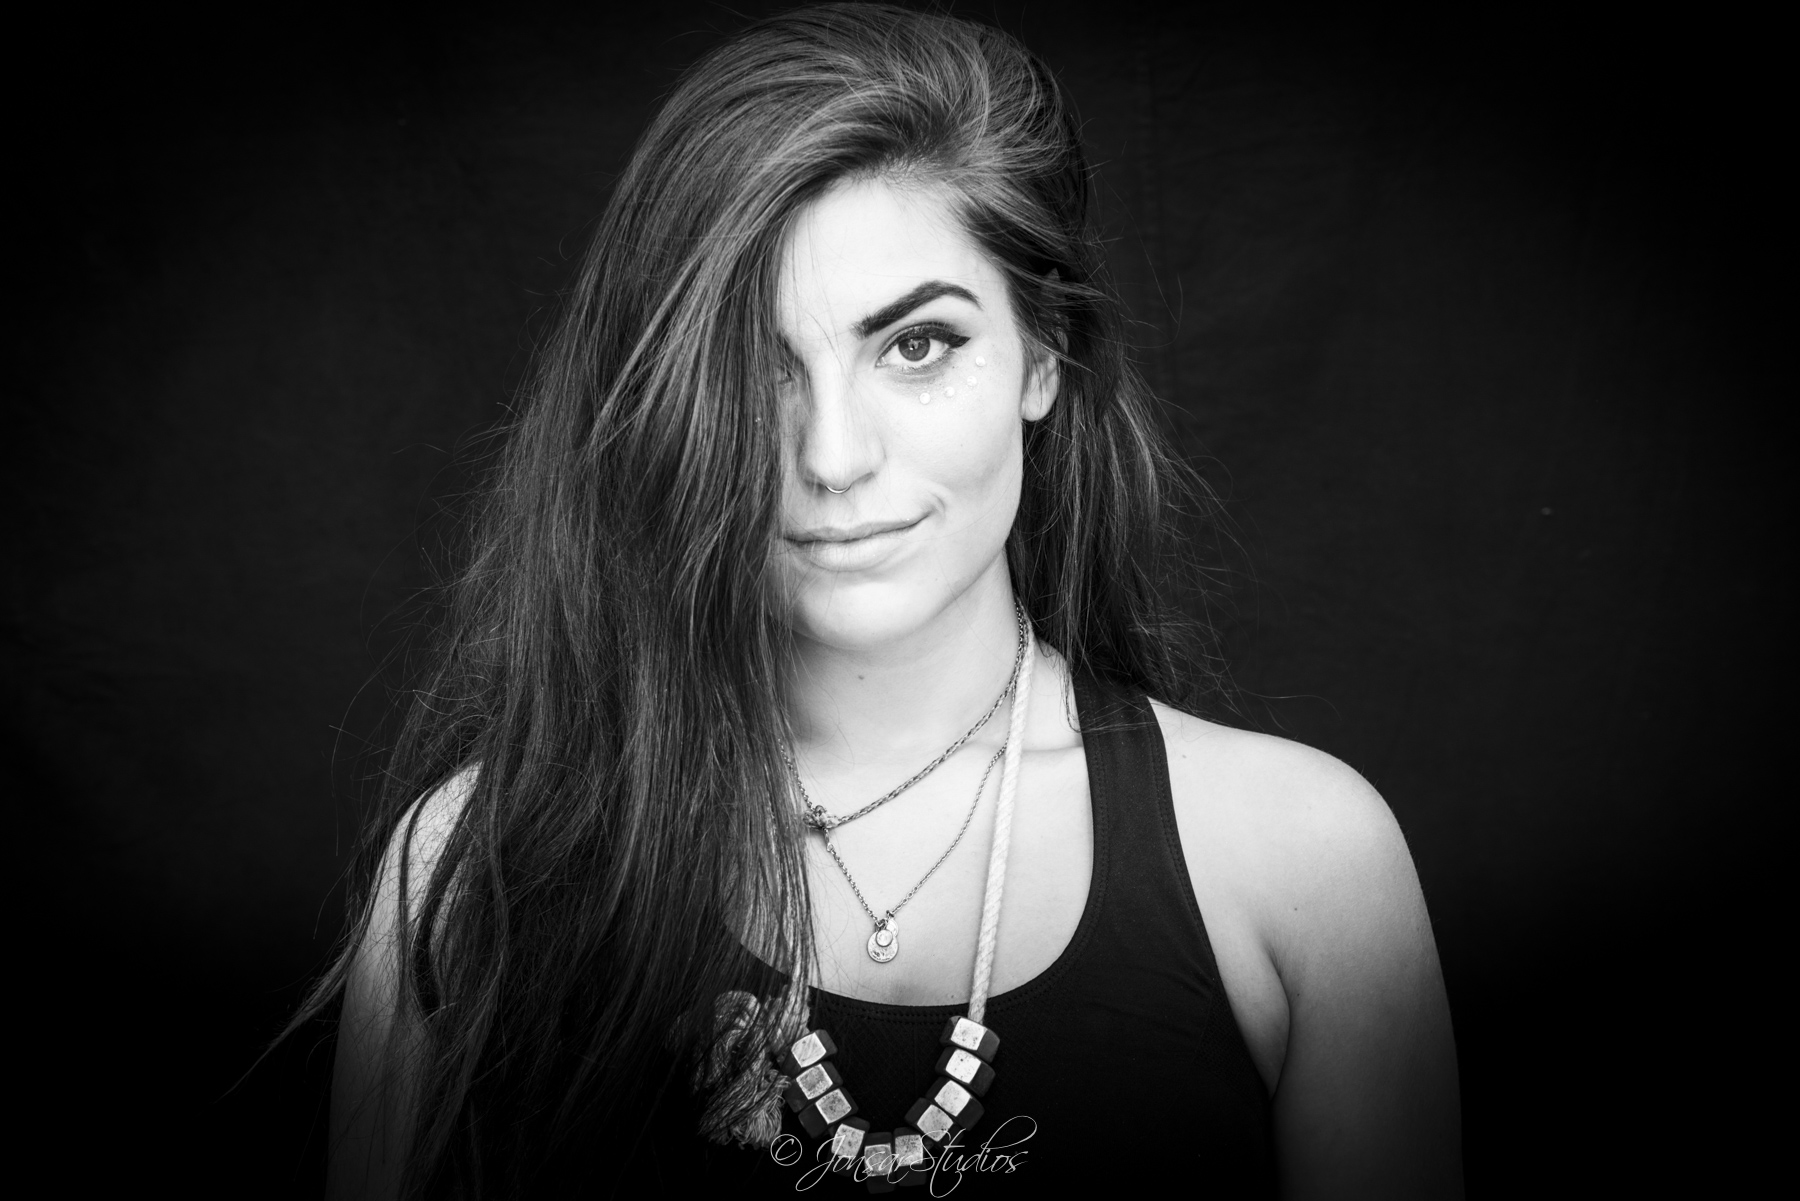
(902, 416)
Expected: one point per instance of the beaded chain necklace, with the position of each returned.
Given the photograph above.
(884, 939)
(964, 1067)
(884, 942)
(818, 817)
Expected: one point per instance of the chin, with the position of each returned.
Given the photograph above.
(862, 615)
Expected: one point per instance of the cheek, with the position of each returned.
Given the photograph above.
(972, 454)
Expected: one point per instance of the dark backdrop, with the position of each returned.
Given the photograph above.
(1468, 319)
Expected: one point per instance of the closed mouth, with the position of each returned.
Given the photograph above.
(853, 533)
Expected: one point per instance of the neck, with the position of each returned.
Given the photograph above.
(897, 703)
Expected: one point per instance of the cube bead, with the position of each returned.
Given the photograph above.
(847, 1143)
(909, 1148)
(812, 1123)
(973, 1037)
(819, 1115)
(956, 1101)
(806, 1051)
(812, 1084)
(834, 1106)
(964, 1068)
(878, 1153)
(931, 1121)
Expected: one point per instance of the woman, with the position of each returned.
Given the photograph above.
(795, 810)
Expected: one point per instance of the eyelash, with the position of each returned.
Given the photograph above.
(952, 341)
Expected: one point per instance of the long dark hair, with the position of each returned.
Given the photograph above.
(611, 655)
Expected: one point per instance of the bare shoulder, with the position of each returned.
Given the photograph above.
(372, 1092)
(427, 826)
(1321, 936)
(413, 850)
(437, 813)
(1299, 823)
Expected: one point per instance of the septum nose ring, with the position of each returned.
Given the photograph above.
(836, 491)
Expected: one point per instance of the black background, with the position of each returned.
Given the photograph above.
(1470, 318)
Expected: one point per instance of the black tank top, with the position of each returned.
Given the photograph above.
(1120, 1063)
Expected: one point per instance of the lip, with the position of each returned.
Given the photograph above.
(852, 533)
(853, 547)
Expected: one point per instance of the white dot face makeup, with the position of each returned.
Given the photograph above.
(895, 505)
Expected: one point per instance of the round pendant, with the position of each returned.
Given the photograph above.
(884, 944)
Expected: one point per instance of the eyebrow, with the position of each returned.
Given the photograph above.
(926, 292)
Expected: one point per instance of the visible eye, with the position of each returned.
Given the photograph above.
(787, 372)
(920, 348)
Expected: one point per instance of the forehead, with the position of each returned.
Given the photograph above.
(866, 242)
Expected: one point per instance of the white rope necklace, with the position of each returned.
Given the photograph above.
(1003, 815)
(965, 1067)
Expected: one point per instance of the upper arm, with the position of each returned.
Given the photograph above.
(1368, 1099)
(372, 1086)
(1309, 862)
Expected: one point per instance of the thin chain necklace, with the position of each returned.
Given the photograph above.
(884, 943)
(819, 818)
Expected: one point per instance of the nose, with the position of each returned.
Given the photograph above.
(839, 440)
